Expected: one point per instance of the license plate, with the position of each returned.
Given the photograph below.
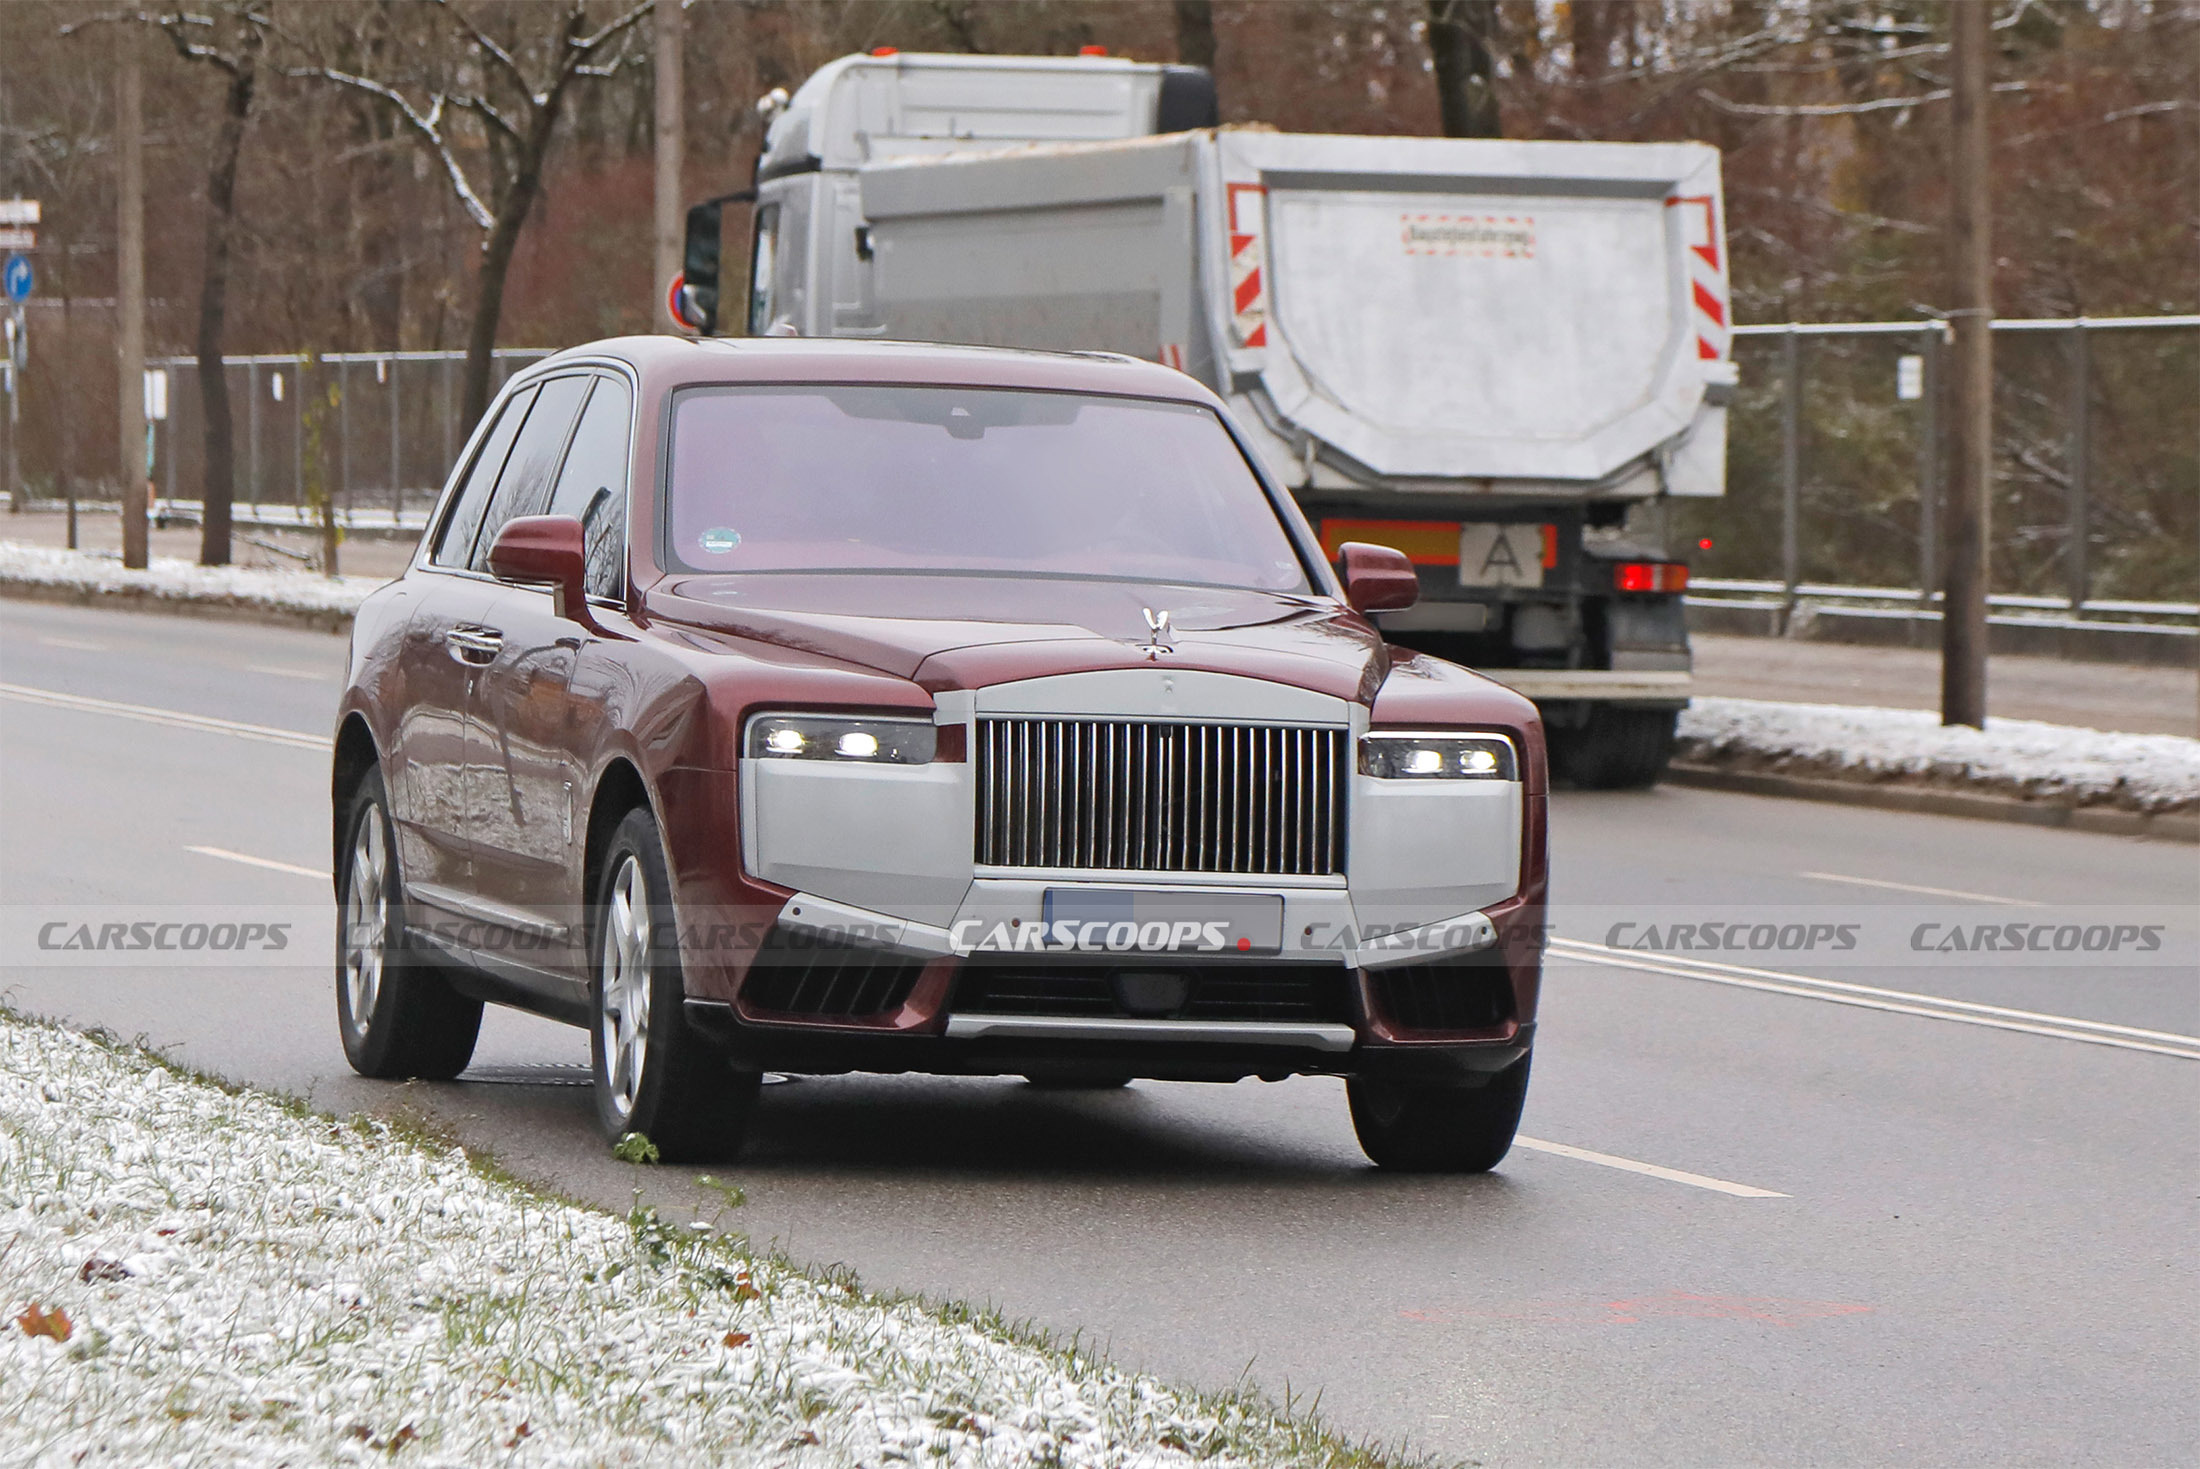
(1503, 555)
(1103, 921)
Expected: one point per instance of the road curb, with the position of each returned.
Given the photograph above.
(133, 599)
(2174, 826)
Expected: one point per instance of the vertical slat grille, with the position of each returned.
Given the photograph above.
(1140, 796)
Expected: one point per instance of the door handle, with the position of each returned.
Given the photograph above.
(473, 644)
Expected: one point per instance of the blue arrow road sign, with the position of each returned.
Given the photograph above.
(17, 278)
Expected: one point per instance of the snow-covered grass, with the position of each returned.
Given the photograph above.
(2017, 757)
(174, 579)
(192, 1274)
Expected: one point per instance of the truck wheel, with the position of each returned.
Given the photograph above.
(1617, 749)
(395, 1010)
(654, 1073)
(1438, 1129)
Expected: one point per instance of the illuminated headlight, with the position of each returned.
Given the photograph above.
(1438, 757)
(826, 737)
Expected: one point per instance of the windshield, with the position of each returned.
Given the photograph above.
(974, 481)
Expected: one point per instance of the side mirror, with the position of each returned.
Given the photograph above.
(694, 300)
(547, 550)
(1376, 578)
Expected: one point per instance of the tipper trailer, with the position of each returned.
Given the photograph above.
(1501, 358)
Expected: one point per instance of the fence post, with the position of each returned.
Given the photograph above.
(343, 428)
(1928, 469)
(298, 436)
(252, 426)
(2078, 464)
(1791, 472)
(397, 448)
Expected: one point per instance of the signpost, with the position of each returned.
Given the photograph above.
(16, 282)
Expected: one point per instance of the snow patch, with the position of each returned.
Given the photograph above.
(171, 578)
(191, 1275)
(2051, 763)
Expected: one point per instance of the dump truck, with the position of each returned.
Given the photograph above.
(1505, 359)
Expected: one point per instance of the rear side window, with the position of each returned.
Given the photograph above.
(455, 546)
(592, 486)
(524, 487)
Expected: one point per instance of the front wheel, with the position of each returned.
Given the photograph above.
(654, 1074)
(396, 1011)
(1439, 1129)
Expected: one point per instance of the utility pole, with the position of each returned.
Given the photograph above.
(671, 149)
(1963, 609)
(130, 297)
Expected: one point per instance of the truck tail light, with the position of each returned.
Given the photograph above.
(1650, 576)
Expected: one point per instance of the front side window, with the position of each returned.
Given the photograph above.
(974, 481)
(592, 486)
(455, 546)
(524, 487)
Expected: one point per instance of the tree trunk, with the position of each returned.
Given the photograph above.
(497, 251)
(1462, 36)
(219, 492)
(1195, 33)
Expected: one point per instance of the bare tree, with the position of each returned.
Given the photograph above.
(514, 93)
(1462, 40)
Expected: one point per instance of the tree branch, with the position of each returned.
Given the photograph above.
(429, 125)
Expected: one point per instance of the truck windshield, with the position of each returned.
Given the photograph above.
(968, 481)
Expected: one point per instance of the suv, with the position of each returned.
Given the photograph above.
(821, 706)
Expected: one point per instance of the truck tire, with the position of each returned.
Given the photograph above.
(1616, 749)
(1439, 1129)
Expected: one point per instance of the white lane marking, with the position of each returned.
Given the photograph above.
(1895, 1002)
(251, 861)
(173, 718)
(74, 645)
(1911, 887)
(1651, 1170)
(315, 674)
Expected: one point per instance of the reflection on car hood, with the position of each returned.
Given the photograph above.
(960, 632)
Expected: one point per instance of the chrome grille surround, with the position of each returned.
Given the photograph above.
(1146, 795)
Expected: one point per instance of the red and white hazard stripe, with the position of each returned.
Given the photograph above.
(1706, 272)
(1248, 206)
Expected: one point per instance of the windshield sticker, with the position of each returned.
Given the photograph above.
(718, 540)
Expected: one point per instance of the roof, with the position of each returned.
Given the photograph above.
(666, 362)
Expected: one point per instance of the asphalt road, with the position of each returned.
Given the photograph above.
(1875, 1228)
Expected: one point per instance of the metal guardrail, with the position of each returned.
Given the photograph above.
(1774, 593)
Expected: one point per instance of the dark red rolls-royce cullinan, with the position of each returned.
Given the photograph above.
(817, 706)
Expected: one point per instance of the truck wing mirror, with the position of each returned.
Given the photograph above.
(1377, 578)
(695, 292)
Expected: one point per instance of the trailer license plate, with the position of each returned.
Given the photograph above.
(1503, 555)
(1104, 921)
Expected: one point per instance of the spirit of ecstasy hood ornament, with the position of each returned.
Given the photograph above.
(1158, 635)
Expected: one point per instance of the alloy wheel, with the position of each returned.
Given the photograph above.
(623, 1017)
(366, 919)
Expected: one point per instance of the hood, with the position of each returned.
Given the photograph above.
(967, 632)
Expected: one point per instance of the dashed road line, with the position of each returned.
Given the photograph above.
(267, 862)
(1895, 1002)
(172, 718)
(1649, 1170)
(1911, 887)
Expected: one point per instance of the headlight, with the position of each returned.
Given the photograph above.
(1438, 757)
(831, 737)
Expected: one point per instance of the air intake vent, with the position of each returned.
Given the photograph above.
(1137, 796)
(798, 974)
(1472, 993)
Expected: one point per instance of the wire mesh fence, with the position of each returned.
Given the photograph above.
(1837, 458)
(1836, 463)
(371, 434)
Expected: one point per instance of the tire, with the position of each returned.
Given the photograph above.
(396, 1011)
(1439, 1129)
(1617, 749)
(654, 1073)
